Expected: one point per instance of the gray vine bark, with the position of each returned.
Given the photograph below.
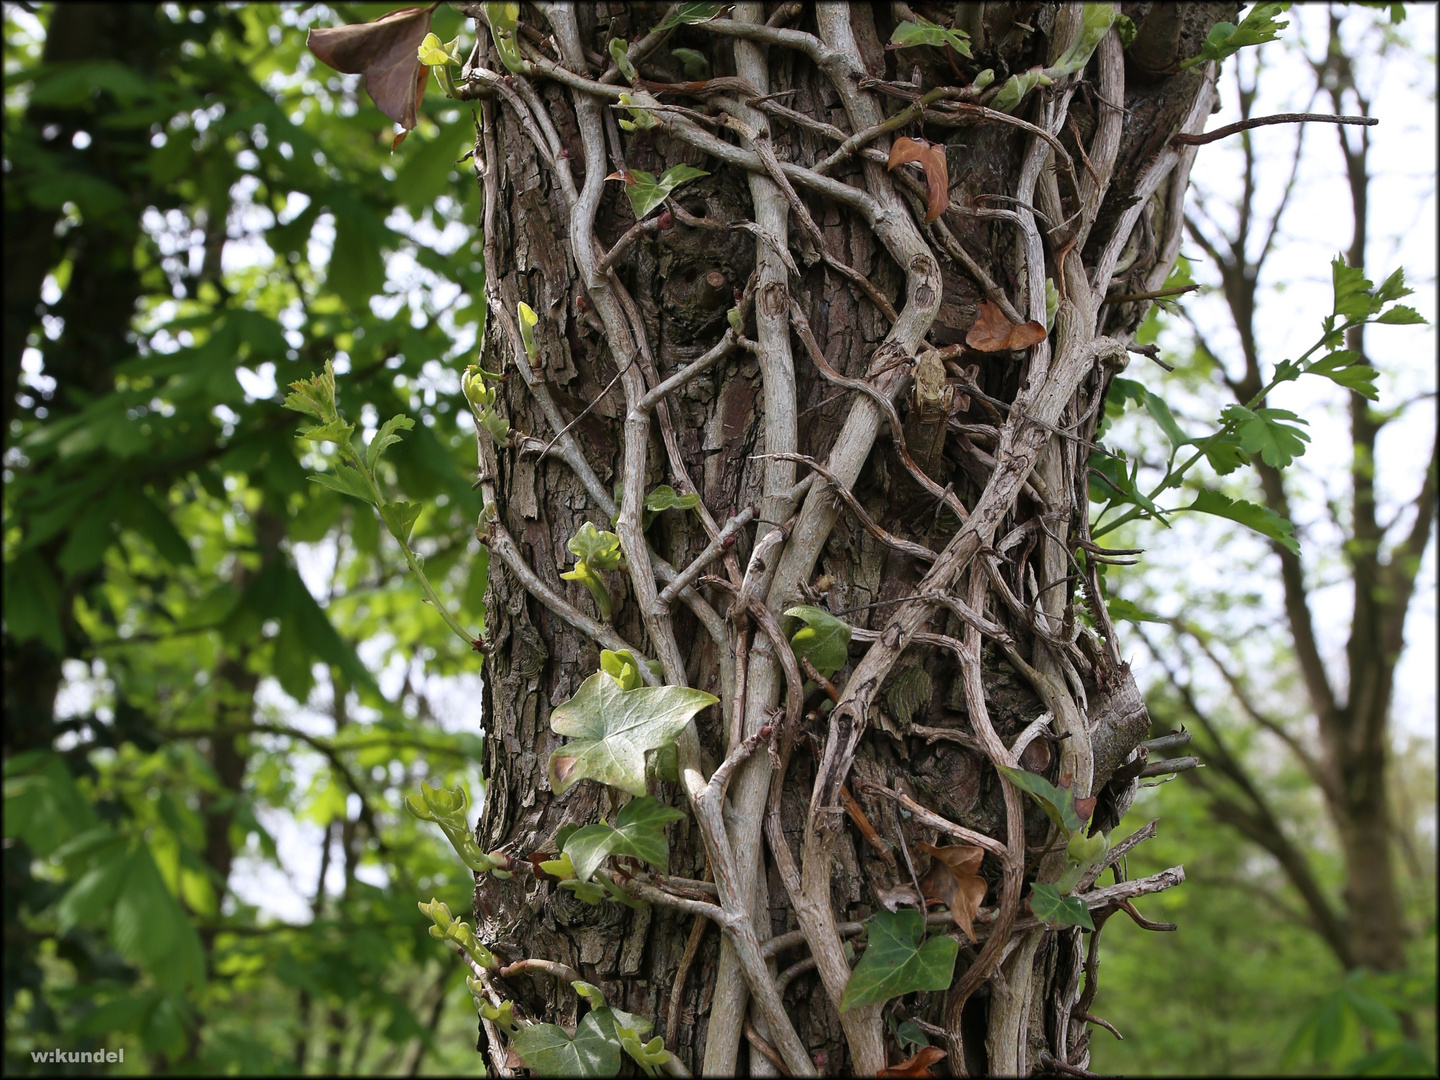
(925, 708)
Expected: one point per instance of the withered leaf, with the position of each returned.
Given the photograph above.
(937, 172)
(993, 332)
(386, 52)
(917, 1066)
(954, 879)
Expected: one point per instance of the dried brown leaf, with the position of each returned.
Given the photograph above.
(917, 1066)
(955, 881)
(993, 332)
(937, 172)
(386, 52)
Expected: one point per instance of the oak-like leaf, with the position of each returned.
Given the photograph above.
(954, 879)
(993, 332)
(386, 52)
(611, 729)
(937, 172)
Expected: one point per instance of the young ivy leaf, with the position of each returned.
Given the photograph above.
(622, 667)
(548, 1051)
(1058, 911)
(1017, 86)
(1226, 39)
(1059, 803)
(639, 832)
(611, 729)
(896, 963)
(1261, 519)
(646, 192)
(386, 53)
(931, 158)
(993, 332)
(620, 55)
(696, 64)
(824, 640)
(600, 549)
(924, 32)
(665, 498)
(688, 15)
(1095, 22)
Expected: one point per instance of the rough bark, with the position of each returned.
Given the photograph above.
(1018, 480)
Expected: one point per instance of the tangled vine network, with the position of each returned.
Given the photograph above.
(1066, 329)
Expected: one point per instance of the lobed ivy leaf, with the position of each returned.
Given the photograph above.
(611, 729)
(665, 498)
(896, 963)
(548, 1051)
(824, 640)
(599, 550)
(646, 191)
(1259, 518)
(1226, 39)
(924, 32)
(1056, 910)
(639, 832)
(1265, 432)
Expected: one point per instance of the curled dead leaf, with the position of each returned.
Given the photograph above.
(993, 332)
(917, 1066)
(937, 173)
(954, 880)
(386, 52)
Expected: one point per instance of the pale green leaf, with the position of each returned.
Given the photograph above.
(611, 729)
(347, 480)
(924, 32)
(386, 437)
(824, 639)
(1226, 39)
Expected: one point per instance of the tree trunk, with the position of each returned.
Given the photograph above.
(987, 470)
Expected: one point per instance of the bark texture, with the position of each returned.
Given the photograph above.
(972, 619)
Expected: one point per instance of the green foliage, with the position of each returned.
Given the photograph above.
(594, 551)
(689, 14)
(1057, 802)
(924, 32)
(1356, 1030)
(1261, 519)
(622, 59)
(647, 192)
(550, 1051)
(448, 809)
(638, 832)
(1057, 910)
(1095, 23)
(1226, 39)
(895, 962)
(1014, 89)
(824, 640)
(611, 729)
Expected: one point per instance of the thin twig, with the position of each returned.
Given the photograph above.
(1261, 121)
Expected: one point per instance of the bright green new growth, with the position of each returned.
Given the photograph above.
(504, 18)
(896, 963)
(595, 1049)
(924, 32)
(611, 729)
(1058, 803)
(355, 475)
(1226, 39)
(824, 640)
(645, 190)
(638, 832)
(594, 551)
(448, 928)
(528, 319)
(448, 810)
(482, 398)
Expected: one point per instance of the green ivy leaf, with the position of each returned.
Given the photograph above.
(611, 729)
(1057, 910)
(689, 15)
(896, 963)
(1259, 518)
(1226, 39)
(347, 480)
(600, 550)
(824, 639)
(587, 891)
(1058, 803)
(1096, 20)
(696, 64)
(622, 667)
(647, 192)
(619, 54)
(1017, 86)
(549, 1051)
(924, 32)
(386, 437)
(1265, 432)
(1125, 27)
(665, 498)
(639, 832)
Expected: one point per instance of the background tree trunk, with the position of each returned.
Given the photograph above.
(683, 280)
